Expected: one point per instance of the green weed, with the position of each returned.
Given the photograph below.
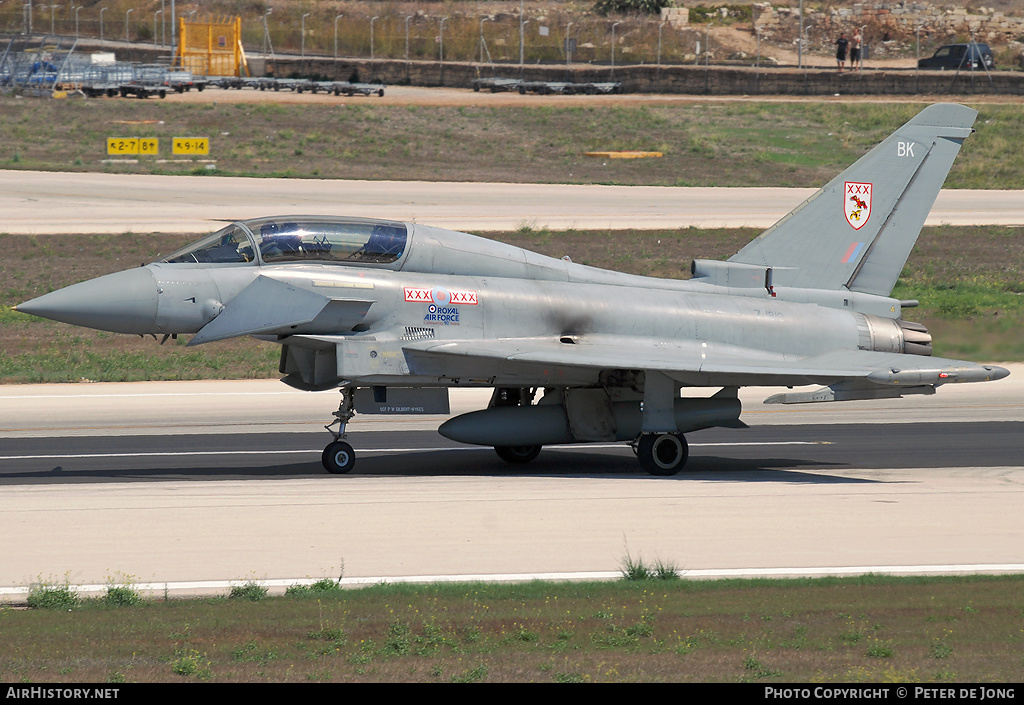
(250, 590)
(190, 662)
(636, 569)
(53, 597)
(121, 596)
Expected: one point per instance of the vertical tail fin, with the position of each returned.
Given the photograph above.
(858, 230)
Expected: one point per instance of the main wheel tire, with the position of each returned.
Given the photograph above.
(517, 454)
(662, 454)
(339, 458)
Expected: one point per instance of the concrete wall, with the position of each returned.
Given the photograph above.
(718, 80)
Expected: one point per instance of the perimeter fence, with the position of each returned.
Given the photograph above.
(501, 39)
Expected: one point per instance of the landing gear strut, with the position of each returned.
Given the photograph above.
(662, 453)
(338, 457)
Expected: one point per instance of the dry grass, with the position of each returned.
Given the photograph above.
(705, 144)
(867, 630)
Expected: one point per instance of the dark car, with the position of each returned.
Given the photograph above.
(960, 56)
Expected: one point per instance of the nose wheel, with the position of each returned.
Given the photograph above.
(338, 458)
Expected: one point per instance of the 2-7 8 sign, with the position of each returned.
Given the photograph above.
(190, 146)
(119, 146)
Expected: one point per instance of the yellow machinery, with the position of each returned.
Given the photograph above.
(212, 47)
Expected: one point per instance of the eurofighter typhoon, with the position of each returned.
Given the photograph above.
(394, 314)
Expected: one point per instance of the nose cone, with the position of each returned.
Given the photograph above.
(124, 302)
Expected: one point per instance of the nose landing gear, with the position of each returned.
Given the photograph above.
(338, 457)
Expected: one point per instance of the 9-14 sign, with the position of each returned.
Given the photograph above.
(190, 146)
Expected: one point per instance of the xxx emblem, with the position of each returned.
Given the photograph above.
(857, 204)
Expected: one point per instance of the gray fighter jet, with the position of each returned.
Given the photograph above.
(397, 313)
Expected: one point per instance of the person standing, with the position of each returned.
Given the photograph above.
(841, 46)
(855, 51)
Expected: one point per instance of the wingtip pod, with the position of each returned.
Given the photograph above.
(999, 372)
(894, 383)
(946, 374)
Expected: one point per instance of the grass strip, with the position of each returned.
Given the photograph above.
(721, 143)
(868, 629)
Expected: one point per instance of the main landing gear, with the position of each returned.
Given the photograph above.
(659, 454)
(514, 396)
(338, 457)
(517, 454)
(662, 453)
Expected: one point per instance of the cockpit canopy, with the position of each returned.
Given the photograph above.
(300, 239)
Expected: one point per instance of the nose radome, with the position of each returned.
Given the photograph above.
(123, 302)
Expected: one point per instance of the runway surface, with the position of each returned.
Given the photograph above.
(193, 485)
(112, 203)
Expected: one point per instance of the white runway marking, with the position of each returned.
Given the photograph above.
(8, 594)
(148, 395)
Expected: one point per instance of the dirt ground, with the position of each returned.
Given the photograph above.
(417, 95)
(736, 39)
